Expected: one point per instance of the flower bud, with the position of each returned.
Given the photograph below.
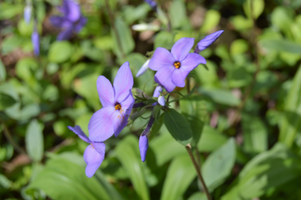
(143, 69)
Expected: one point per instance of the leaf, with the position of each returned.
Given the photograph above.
(178, 14)
(179, 176)
(219, 164)
(125, 43)
(290, 124)
(178, 126)
(63, 179)
(281, 45)
(2, 71)
(127, 153)
(257, 8)
(220, 96)
(60, 51)
(212, 19)
(34, 141)
(6, 101)
(265, 172)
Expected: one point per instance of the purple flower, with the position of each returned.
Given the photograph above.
(117, 104)
(71, 21)
(35, 39)
(143, 140)
(173, 67)
(94, 153)
(152, 4)
(158, 91)
(143, 69)
(27, 13)
(161, 100)
(207, 41)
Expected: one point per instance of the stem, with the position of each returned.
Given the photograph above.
(10, 139)
(112, 21)
(197, 168)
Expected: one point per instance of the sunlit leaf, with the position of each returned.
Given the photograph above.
(34, 141)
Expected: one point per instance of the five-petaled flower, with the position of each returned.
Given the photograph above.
(94, 153)
(117, 104)
(173, 67)
(71, 21)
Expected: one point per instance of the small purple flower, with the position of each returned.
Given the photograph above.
(173, 67)
(158, 91)
(117, 104)
(94, 153)
(143, 69)
(143, 140)
(207, 41)
(71, 21)
(35, 39)
(27, 13)
(161, 100)
(152, 4)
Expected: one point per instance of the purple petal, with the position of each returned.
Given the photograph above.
(163, 77)
(93, 157)
(123, 82)
(78, 131)
(192, 61)
(207, 41)
(161, 58)
(57, 21)
(179, 76)
(158, 91)
(127, 106)
(65, 34)
(27, 13)
(161, 100)
(143, 69)
(71, 10)
(80, 24)
(143, 146)
(102, 123)
(181, 48)
(105, 91)
(35, 39)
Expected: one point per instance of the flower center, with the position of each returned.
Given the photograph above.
(117, 106)
(92, 145)
(177, 64)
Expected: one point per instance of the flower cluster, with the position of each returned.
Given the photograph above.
(172, 68)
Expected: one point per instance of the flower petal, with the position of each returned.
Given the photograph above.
(105, 91)
(163, 77)
(181, 48)
(81, 22)
(143, 69)
(158, 91)
(179, 76)
(143, 146)
(57, 21)
(93, 158)
(192, 61)
(101, 124)
(78, 131)
(65, 34)
(71, 10)
(161, 58)
(35, 39)
(123, 82)
(207, 41)
(161, 100)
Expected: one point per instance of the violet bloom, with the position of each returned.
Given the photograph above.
(117, 104)
(152, 4)
(94, 153)
(71, 22)
(173, 67)
(143, 140)
(207, 41)
(27, 13)
(35, 39)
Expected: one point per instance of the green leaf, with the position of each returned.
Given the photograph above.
(63, 179)
(125, 42)
(178, 14)
(282, 18)
(219, 164)
(60, 51)
(290, 124)
(220, 96)
(127, 153)
(257, 8)
(2, 71)
(6, 101)
(163, 39)
(281, 46)
(178, 126)
(181, 169)
(212, 19)
(264, 173)
(34, 141)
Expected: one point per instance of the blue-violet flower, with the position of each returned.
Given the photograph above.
(207, 41)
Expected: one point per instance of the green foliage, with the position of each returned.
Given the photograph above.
(34, 141)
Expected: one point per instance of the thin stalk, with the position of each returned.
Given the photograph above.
(112, 21)
(10, 139)
(197, 168)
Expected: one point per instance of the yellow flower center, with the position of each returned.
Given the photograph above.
(117, 106)
(177, 64)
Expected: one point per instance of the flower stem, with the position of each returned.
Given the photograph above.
(197, 168)
(10, 139)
